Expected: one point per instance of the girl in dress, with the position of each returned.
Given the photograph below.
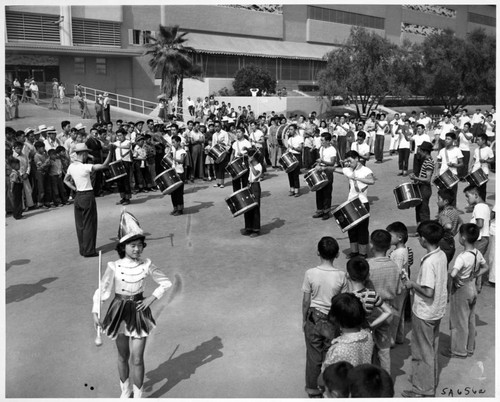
(129, 320)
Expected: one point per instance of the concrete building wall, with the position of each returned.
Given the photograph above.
(232, 20)
(107, 13)
(331, 32)
(294, 23)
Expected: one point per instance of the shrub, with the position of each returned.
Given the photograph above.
(253, 76)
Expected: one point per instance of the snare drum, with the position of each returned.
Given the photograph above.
(446, 180)
(116, 170)
(477, 178)
(282, 134)
(408, 195)
(316, 180)
(241, 201)
(238, 167)
(168, 181)
(218, 152)
(350, 214)
(288, 161)
(167, 162)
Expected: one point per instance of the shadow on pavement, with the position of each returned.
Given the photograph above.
(173, 371)
(194, 188)
(9, 265)
(274, 224)
(23, 291)
(197, 208)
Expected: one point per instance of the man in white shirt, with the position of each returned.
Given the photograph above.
(425, 120)
(477, 121)
(445, 127)
(220, 137)
(64, 134)
(450, 157)
(123, 152)
(483, 156)
(326, 164)
(381, 129)
(370, 129)
(51, 142)
(464, 118)
(361, 147)
(464, 140)
(394, 123)
(190, 106)
(295, 144)
(85, 205)
(419, 137)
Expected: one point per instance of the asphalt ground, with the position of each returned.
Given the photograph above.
(232, 325)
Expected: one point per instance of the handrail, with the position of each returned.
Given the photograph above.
(121, 101)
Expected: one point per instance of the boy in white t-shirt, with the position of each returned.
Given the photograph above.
(483, 156)
(450, 157)
(481, 217)
(325, 163)
(361, 147)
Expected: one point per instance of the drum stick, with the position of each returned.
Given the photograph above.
(98, 340)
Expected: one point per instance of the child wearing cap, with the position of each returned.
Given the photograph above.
(128, 320)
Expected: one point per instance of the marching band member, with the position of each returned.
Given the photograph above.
(220, 137)
(295, 143)
(240, 149)
(325, 163)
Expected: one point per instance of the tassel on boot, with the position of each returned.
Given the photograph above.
(137, 392)
(126, 389)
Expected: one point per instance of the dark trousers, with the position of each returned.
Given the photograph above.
(404, 156)
(293, 176)
(417, 164)
(252, 217)
(197, 156)
(342, 146)
(240, 182)
(324, 195)
(220, 169)
(455, 192)
(58, 190)
(140, 183)
(124, 182)
(318, 333)
(482, 191)
(17, 195)
(178, 195)
(308, 159)
(464, 170)
(422, 211)
(360, 233)
(44, 193)
(86, 221)
(378, 148)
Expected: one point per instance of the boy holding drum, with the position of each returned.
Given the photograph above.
(178, 156)
(325, 163)
(450, 157)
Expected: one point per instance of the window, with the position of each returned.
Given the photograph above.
(94, 32)
(100, 66)
(482, 19)
(31, 27)
(138, 37)
(79, 65)
(344, 17)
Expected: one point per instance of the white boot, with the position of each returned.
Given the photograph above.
(137, 392)
(126, 390)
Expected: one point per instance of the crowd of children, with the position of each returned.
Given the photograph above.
(354, 317)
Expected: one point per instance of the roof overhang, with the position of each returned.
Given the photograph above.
(219, 44)
(56, 49)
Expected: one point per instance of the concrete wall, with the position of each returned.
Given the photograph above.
(331, 32)
(232, 20)
(294, 23)
(107, 13)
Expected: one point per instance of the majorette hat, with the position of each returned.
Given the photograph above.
(129, 228)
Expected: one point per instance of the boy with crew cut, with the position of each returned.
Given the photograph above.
(481, 215)
(335, 379)
(369, 381)
(450, 157)
(428, 308)
(469, 264)
(400, 255)
(320, 284)
(384, 274)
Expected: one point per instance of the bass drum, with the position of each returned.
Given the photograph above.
(241, 201)
(350, 214)
(168, 181)
(282, 134)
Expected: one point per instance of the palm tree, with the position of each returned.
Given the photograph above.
(173, 61)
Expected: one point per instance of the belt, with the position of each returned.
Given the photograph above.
(135, 297)
(86, 191)
(315, 315)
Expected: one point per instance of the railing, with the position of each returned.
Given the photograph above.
(121, 101)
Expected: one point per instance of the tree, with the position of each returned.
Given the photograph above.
(253, 76)
(366, 69)
(457, 72)
(172, 61)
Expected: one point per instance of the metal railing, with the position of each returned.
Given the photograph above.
(121, 101)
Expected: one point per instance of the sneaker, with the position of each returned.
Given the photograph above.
(245, 232)
(122, 201)
(296, 195)
(318, 214)
(254, 234)
(291, 194)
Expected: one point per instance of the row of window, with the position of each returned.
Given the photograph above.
(432, 9)
(344, 17)
(226, 66)
(45, 28)
(482, 19)
(80, 66)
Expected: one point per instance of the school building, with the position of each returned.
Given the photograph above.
(101, 46)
